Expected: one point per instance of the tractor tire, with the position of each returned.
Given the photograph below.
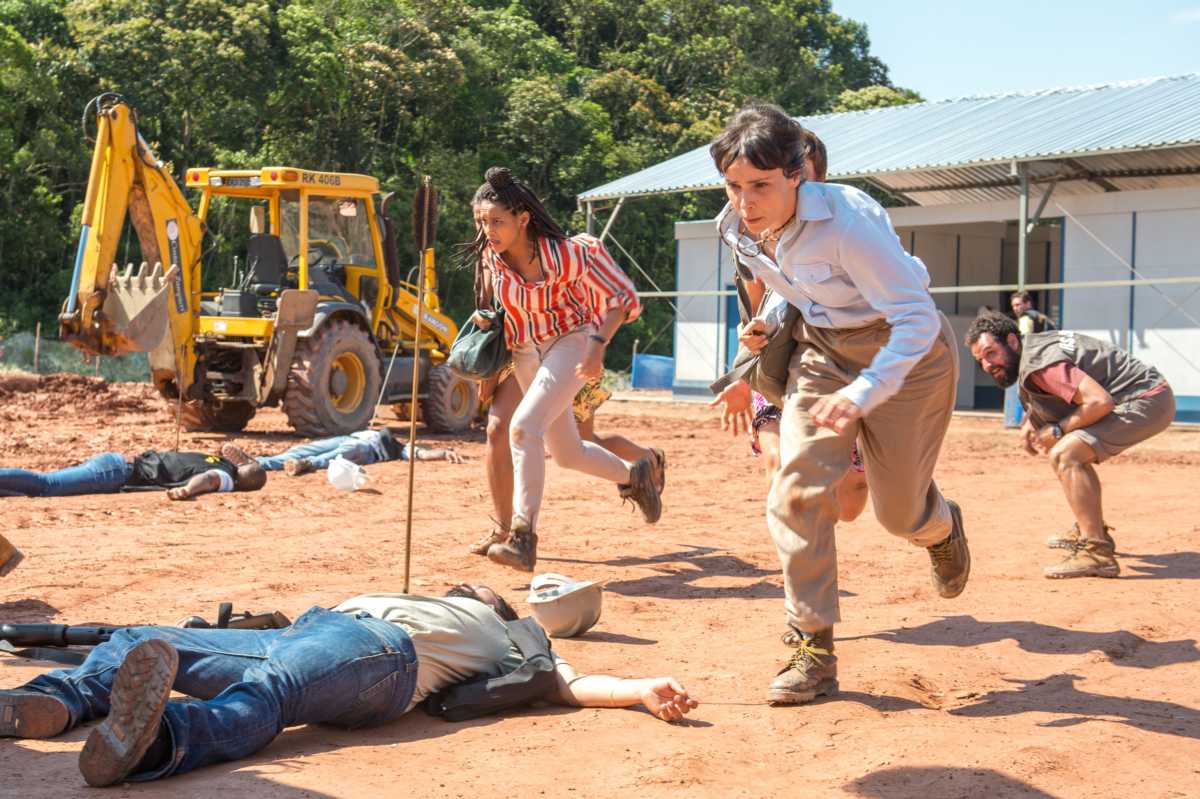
(203, 416)
(334, 381)
(450, 403)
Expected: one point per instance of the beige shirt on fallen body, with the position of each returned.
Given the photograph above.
(455, 638)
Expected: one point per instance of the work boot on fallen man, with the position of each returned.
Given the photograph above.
(31, 714)
(10, 556)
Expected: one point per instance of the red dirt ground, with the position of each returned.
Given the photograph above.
(1021, 687)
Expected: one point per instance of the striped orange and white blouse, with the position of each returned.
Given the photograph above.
(582, 284)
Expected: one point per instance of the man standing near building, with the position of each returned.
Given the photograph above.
(861, 352)
(1085, 401)
(1029, 319)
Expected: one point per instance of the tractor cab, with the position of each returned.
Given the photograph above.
(307, 230)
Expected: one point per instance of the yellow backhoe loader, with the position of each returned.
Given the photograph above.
(321, 318)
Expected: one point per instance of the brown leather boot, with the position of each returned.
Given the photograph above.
(950, 560)
(1087, 558)
(30, 714)
(139, 696)
(519, 551)
(643, 488)
(810, 672)
(660, 468)
(10, 556)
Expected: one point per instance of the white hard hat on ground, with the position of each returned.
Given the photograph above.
(564, 607)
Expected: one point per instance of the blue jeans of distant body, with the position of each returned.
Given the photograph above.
(321, 453)
(102, 474)
(326, 668)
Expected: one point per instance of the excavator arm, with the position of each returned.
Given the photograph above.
(148, 309)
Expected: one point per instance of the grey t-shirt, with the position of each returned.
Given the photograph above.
(1118, 372)
(455, 638)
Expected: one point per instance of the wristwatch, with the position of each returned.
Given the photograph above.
(600, 339)
(1057, 430)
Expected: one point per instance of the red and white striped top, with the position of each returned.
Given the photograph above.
(582, 283)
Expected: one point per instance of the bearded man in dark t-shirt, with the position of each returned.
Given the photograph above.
(184, 474)
(1084, 401)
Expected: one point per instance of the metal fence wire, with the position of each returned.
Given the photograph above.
(28, 352)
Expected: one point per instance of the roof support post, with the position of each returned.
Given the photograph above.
(1037, 215)
(1022, 172)
(591, 218)
(611, 218)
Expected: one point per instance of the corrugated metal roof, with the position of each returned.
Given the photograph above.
(941, 138)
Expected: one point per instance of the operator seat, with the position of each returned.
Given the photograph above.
(266, 261)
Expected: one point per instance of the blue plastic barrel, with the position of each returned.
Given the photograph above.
(653, 371)
(1013, 412)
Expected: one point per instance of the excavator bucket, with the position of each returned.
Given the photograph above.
(135, 308)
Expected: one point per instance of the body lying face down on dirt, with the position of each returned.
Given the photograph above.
(365, 662)
(184, 474)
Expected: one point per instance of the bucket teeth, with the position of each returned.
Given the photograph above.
(143, 278)
(136, 306)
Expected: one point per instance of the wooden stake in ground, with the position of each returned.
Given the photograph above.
(37, 347)
(424, 207)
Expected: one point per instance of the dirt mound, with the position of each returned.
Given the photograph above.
(21, 391)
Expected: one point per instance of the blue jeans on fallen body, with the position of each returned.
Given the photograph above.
(333, 668)
(321, 453)
(103, 474)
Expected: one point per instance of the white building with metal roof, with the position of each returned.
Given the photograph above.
(1088, 197)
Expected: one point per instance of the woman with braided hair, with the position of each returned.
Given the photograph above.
(563, 299)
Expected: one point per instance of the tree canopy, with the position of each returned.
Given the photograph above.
(568, 93)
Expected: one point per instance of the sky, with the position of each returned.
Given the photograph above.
(947, 49)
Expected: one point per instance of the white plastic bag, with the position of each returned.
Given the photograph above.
(345, 475)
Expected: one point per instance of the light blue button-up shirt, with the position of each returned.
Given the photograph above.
(842, 265)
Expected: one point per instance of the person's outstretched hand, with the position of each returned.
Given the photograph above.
(736, 407)
(667, 699)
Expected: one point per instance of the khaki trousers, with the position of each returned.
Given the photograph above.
(900, 441)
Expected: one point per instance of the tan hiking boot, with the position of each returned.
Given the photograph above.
(810, 672)
(519, 551)
(139, 696)
(496, 536)
(643, 489)
(10, 556)
(950, 560)
(1069, 539)
(30, 714)
(1087, 558)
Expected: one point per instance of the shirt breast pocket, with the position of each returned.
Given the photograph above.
(825, 284)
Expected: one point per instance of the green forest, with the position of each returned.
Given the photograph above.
(568, 93)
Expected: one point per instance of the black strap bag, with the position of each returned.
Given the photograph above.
(483, 696)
